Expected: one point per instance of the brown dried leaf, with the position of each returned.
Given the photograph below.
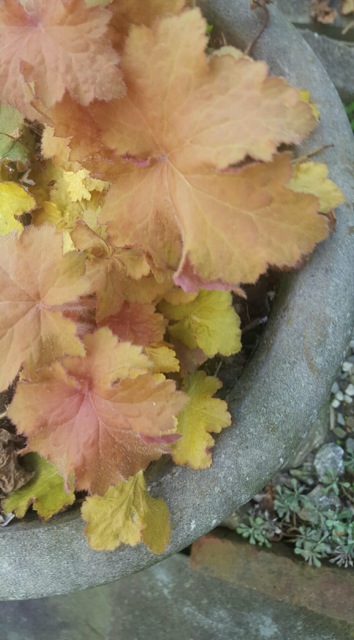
(322, 12)
(12, 475)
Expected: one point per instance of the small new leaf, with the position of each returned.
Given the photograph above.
(202, 415)
(45, 491)
(127, 514)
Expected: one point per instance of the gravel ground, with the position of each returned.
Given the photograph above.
(342, 397)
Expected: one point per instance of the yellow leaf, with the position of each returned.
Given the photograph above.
(127, 514)
(347, 7)
(64, 197)
(45, 491)
(14, 201)
(163, 358)
(79, 185)
(311, 177)
(306, 97)
(202, 415)
(208, 322)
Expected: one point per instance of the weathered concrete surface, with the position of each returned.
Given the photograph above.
(279, 395)
(334, 48)
(167, 601)
(338, 60)
(299, 12)
(278, 574)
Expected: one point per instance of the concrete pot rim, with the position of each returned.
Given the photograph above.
(277, 398)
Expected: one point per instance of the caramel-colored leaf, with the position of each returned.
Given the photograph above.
(202, 416)
(50, 47)
(112, 270)
(127, 514)
(36, 281)
(129, 12)
(185, 119)
(45, 492)
(89, 415)
(137, 323)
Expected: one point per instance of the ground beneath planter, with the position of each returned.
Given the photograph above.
(333, 43)
(169, 600)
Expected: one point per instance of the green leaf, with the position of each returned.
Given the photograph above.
(11, 124)
(45, 491)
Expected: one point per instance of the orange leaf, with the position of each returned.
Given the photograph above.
(137, 323)
(112, 271)
(50, 47)
(129, 12)
(37, 285)
(200, 116)
(103, 417)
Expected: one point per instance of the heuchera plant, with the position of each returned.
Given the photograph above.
(143, 180)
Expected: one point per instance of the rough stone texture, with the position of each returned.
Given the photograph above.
(281, 391)
(326, 591)
(314, 438)
(335, 50)
(330, 456)
(338, 60)
(167, 601)
(299, 12)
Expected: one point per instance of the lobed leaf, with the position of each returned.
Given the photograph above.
(137, 323)
(312, 177)
(45, 492)
(208, 322)
(50, 47)
(36, 282)
(89, 415)
(127, 514)
(202, 416)
(116, 273)
(176, 136)
(133, 12)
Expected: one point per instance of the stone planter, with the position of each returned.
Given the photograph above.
(279, 395)
(332, 43)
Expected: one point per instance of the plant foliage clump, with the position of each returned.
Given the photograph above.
(143, 179)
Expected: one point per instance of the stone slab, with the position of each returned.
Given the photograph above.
(277, 573)
(169, 600)
(282, 389)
